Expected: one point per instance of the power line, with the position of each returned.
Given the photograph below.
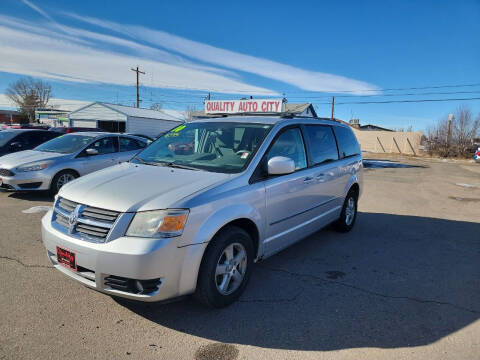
(404, 101)
(386, 95)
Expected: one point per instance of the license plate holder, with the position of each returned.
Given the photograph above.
(67, 258)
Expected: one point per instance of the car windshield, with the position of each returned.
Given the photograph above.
(65, 144)
(225, 147)
(6, 136)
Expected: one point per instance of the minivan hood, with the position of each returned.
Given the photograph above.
(13, 160)
(136, 187)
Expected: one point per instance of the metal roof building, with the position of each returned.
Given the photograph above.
(120, 118)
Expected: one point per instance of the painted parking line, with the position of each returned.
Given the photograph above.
(36, 209)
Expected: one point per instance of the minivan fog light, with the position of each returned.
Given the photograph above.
(159, 223)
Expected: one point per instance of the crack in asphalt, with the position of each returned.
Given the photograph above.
(370, 292)
(26, 265)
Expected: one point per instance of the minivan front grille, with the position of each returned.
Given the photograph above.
(86, 221)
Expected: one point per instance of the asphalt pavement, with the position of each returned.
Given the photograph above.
(404, 284)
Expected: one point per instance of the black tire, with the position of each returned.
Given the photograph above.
(55, 185)
(207, 291)
(345, 224)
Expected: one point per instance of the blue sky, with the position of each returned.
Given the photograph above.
(308, 51)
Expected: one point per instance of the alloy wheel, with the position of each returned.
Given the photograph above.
(231, 268)
(350, 210)
(63, 179)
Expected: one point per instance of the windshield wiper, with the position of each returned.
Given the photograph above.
(146, 162)
(179, 166)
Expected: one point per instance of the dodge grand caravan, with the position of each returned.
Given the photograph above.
(193, 211)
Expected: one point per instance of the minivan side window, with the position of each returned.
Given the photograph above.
(323, 146)
(347, 142)
(290, 144)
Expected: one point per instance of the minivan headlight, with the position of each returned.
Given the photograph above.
(35, 166)
(158, 223)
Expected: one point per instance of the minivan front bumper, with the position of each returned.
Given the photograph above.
(127, 261)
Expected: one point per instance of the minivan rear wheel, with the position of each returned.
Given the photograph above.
(225, 268)
(349, 213)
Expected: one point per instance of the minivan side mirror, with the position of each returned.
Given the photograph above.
(91, 151)
(280, 165)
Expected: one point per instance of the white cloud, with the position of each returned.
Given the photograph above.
(304, 79)
(56, 51)
(56, 58)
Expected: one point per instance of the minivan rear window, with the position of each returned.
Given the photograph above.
(347, 142)
(323, 146)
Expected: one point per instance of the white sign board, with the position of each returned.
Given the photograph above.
(244, 106)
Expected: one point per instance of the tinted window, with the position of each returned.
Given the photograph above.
(129, 144)
(347, 142)
(290, 144)
(322, 143)
(39, 137)
(23, 139)
(104, 146)
(6, 136)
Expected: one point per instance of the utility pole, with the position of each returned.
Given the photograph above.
(138, 93)
(449, 129)
(333, 106)
(207, 98)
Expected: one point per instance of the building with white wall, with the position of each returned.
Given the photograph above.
(120, 118)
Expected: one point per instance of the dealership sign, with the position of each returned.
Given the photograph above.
(244, 106)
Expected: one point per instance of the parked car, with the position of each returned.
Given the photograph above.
(68, 130)
(146, 137)
(476, 156)
(13, 140)
(171, 223)
(56, 162)
(27, 126)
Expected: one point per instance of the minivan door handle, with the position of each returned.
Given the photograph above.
(320, 177)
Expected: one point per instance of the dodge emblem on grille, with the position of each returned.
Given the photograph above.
(73, 219)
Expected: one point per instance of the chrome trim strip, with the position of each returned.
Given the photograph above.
(302, 224)
(94, 223)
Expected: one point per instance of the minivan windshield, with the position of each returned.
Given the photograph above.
(6, 136)
(65, 144)
(225, 147)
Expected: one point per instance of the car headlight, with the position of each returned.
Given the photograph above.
(35, 166)
(158, 223)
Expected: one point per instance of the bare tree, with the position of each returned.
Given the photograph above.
(156, 106)
(463, 131)
(464, 128)
(29, 94)
(189, 113)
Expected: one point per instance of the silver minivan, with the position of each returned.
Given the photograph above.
(193, 211)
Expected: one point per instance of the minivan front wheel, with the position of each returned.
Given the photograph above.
(349, 213)
(225, 268)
